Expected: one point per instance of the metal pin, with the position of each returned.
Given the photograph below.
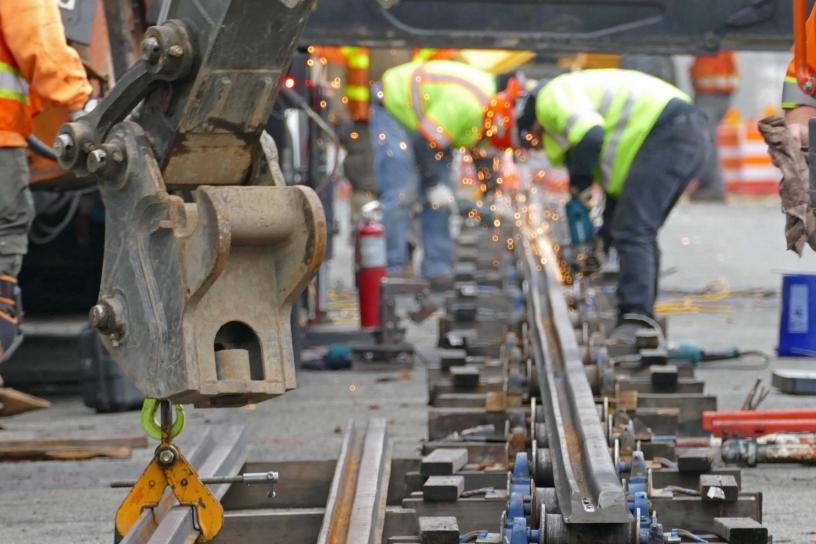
(249, 478)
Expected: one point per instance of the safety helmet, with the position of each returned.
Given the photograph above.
(500, 117)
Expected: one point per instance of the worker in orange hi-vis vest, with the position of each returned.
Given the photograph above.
(799, 106)
(348, 69)
(37, 67)
(715, 79)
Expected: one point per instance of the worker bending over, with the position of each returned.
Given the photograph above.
(420, 113)
(36, 66)
(643, 140)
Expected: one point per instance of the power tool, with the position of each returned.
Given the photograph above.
(582, 231)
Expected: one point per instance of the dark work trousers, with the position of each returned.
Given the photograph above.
(672, 155)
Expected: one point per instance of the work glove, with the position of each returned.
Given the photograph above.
(584, 197)
(440, 197)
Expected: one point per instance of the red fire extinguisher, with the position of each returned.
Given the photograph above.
(371, 269)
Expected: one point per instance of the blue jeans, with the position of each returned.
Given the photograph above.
(406, 167)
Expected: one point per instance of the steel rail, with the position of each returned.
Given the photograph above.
(220, 452)
(588, 488)
(355, 510)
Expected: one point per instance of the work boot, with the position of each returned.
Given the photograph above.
(625, 333)
(11, 314)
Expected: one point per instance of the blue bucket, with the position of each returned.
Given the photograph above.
(797, 328)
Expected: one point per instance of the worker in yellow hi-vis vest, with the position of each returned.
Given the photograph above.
(641, 138)
(420, 113)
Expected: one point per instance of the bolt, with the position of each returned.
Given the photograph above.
(808, 86)
(166, 457)
(63, 145)
(175, 51)
(96, 160)
(151, 50)
(101, 317)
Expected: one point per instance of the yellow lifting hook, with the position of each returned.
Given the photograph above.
(169, 468)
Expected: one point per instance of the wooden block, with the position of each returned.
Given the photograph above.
(662, 421)
(14, 402)
(649, 357)
(627, 400)
(666, 476)
(741, 530)
(452, 358)
(692, 512)
(490, 538)
(647, 339)
(443, 488)
(718, 488)
(496, 401)
(472, 514)
(438, 530)
(71, 448)
(690, 421)
(465, 376)
(443, 462)
(695, 460)
(664, 376)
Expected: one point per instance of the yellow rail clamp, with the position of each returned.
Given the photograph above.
(169, 468)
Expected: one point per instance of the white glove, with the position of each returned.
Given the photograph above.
(440, 197)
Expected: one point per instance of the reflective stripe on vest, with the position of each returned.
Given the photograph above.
(611, 152)
(12, 84)
(716, 83)
(793, 96)
(358, 93)
(430, 127)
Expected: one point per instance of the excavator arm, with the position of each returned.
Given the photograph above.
(205, 249)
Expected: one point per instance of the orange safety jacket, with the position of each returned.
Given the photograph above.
(792, 95)
(36, 65)
(357, 94)
(715, 73)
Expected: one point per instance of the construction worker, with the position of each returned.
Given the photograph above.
(36, 66)
(715, 79)
(641, 138)
(420, 113)
(800, 107)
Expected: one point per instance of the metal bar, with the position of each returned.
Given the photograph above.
(249, 478)
(223, 457)
(588, 488)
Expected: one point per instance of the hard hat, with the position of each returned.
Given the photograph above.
(500, 117)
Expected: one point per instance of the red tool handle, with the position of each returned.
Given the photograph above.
(754, 428)
(710, 417)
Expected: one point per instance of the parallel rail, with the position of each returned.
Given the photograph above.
(588, 487)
